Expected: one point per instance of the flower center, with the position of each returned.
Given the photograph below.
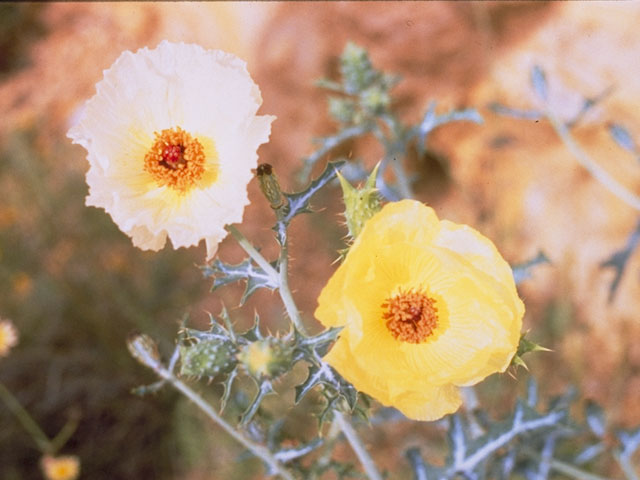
(411, 315)
(176, 159)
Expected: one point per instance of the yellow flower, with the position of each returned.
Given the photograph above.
(427, 306)
(171, 137)
(60, 468)
(8, 337)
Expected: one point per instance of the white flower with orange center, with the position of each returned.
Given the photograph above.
(171, 136)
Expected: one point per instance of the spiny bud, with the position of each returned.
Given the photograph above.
(268, 357)
(270, 187)
(360, 203)
(144, 349)
(526, 346)
(375, 99)
(355, 66)
(207, 358)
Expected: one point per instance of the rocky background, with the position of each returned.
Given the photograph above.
(75, 286)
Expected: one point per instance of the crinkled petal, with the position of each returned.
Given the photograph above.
(207, 93)
(479, 315)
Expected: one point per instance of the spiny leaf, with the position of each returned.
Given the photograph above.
(264, 388)
(419, 468)
(228, 383)
(299, 202)
(618, 261)
(522, 271)
(596, 419)
(318, 343)
(539, 82)
(287, 454)
(324, 375)
(500, 109)
(255, 277)
(431, 121)
(623, 138)
(524, 420)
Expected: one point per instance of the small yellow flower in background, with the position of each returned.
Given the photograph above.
(8, 337)
(60, 468)
(171, 137)
(427, 306)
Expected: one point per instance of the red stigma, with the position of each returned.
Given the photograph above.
(172, 154)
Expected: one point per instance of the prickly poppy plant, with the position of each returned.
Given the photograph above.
(419, 309)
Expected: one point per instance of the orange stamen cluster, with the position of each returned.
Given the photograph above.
(176, 159)
(411, 316)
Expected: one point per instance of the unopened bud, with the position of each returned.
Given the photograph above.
(360, 203)
(269, 357)
(270, 186)
(207, 358)
(144, 349)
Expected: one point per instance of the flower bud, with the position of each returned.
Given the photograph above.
(268, 357)
(269, 186)
(356, 68)
(207, 358)
(360, 203)
(375, 100)
(144, 349)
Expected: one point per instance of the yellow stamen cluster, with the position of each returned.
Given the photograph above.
(411, 316)
(176, 159)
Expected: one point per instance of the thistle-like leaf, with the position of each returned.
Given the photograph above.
(500, 109)
(299, 202)
(420, 469)
(255, 277)
(324, 375)
(623, 138)
(469, 455)
(264, 388)
(618, 261)
(431, 121)
(539, 82)
(595, 418)
(522, 271)
(318, 343)
(228, 384)
(288, 454)
(589, 453)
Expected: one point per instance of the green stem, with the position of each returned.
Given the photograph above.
(253, 253)
(357, 446)
(285, 292)
(258, 450)
(592, 167)
(29, 424)
(403, 181)
(280, 277)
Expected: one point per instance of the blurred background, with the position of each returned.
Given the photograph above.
(75, 286)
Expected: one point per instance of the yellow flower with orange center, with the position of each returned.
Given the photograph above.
(60, 468)
(8, 337)
(171, 136)
(427, 306)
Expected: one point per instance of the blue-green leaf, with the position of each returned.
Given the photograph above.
(224, 273)
(522, 271)
(299, 202)
(539, 82)
(622, 137)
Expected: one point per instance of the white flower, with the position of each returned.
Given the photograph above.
(171, 137)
